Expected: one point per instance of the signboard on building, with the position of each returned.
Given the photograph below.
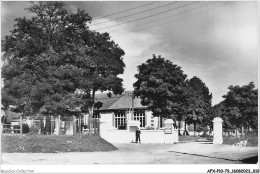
(168, 129)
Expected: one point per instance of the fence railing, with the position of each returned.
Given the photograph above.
(239, 132)
(95, 129)
(53, 125)
(13, 128)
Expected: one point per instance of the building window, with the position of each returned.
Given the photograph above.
(119, 119)
(96, 115)
(140, 116)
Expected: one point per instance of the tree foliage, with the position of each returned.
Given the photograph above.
(241, 105)
(219, 110)
(198, 105)
(200, 87)
(53, 55)
(160, 86)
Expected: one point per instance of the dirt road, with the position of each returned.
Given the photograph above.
(182, 153)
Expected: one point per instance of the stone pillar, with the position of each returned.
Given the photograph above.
(170, 134)
(69, 127)
(57, 126)
(44, 122)
(21, 125)
(217, 130)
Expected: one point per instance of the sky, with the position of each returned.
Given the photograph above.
(213, 40)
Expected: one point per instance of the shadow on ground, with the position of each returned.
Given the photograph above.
(250, 160)
(204, 156)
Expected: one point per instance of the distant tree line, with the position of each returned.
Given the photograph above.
(165, 89)
(239, 109)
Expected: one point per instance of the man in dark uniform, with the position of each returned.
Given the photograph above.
(137, 135)
(3, 119)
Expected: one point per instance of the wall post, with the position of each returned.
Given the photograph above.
(74, 125)
(21, 125)
(217, 129)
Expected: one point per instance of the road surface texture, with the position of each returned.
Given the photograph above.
(181, 153)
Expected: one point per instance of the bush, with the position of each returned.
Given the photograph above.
(149, 128)
(25, 128)
(16, 127)
(199, 128)
(191, 127)
(205, 130)
(62, 132)
(252, 140)
(34, 130)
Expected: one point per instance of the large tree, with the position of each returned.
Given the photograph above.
(54, 62)
(241, 106)
(199, 86)
(199, 103)
(219, 110)
(160, 85)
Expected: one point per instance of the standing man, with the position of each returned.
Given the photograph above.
(137, 135)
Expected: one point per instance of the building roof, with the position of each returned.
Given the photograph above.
(118, 102)
(12, 115)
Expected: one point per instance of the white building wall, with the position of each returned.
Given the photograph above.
(128, 136)
(108, 119)
(152, 136)
(117, 136)
(112, 135)
(148, 119)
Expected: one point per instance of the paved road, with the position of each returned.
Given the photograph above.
(182, 153)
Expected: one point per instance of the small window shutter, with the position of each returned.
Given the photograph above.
(113, 119)
(145, 119)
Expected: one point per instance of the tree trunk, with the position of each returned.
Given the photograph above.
(179, 127)
(242, 131)
(185, 130)
(90, 117)
(247, 131)
(194, 129)
(91, 111)
(159, 123)
(80, 125)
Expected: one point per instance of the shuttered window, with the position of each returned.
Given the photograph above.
(119, 118)
(140, 116)
(113, 119)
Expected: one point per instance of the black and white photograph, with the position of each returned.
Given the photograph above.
(129, 86)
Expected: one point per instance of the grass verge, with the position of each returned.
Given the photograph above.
(54, 144)
(252, 140)
(185, 138)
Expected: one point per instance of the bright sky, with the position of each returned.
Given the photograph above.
(216, 41)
